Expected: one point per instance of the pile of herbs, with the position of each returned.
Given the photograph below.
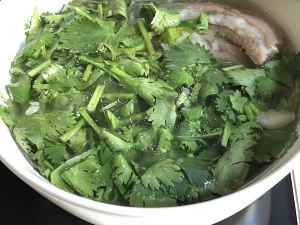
(103, 111)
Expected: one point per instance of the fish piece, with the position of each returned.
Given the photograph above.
(223, 50)
(253, 34)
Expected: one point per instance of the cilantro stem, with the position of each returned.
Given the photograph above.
(195, 92)
(95, 98)
(226, 134)
(232, 67)
(112, 140)
(198, 137)
(109, 106)
(73, 130)
(87, 72)
(131, 119)
(248, 112)
(97, 64)
(112, 118)
(130, 53)
(48, 164)
(82, 13)
(55, 175)
(118, 96)
(146, 36)
(90, 121)
(39, 68)
(119, 72)
(100, 11)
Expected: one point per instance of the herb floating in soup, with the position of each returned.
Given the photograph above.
(146, 106)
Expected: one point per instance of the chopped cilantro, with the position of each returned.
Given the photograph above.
(104, 111)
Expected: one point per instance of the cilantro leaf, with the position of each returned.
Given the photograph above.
(82, 176)
(190, 53)
(55, 176)
(147, 88)
(189, 128)
(197, 171)
(78, 37)
(246, 78)
(162, 18)
(193, 114)
(20, 135)
(179, 78)
(163, 113)
(115, 8)
(268, 88)
(47, 124)
(274, 143)
(164, 172)
(86, 36)
(123, 175)
(142, 196)
(165, 139)
(56, 152)
(224, 104)
(238, 101)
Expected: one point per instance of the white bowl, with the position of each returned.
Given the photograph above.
(13, 15)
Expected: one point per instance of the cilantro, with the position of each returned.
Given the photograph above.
(165, 139)
(162, 19)
(122, 174)
(164, 172)
(81, 176)
(78, 39)
(146, 197)
(197, 171)
(246, 78)
(202, 27)
(190, 53)
(113, 108)
(56, 153)
(163, 113)
(238, 101)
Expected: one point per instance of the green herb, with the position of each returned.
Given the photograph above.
(103, 111)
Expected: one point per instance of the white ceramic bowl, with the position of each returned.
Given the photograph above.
(13, 15)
